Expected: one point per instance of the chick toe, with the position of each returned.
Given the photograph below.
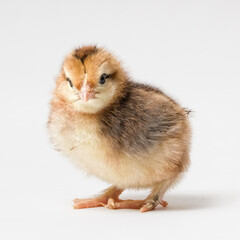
(124, 204)
(89, 203)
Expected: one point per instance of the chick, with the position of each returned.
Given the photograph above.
(128, 134)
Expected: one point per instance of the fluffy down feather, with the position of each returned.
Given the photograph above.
(128, 134)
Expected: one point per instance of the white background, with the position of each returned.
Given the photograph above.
(190, 49)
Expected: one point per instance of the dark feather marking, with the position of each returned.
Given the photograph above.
(136, 126)
(188, 111)
(82, 53)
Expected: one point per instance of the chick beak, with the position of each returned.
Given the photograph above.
(86, 93)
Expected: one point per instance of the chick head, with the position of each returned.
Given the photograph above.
(91, 79)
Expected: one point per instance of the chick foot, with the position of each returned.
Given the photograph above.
(148, 206)
(143, 205)
(100, 201)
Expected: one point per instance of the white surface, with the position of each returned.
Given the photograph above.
(189, 48)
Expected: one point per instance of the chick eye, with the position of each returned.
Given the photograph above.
(103, 78)
(70, 82)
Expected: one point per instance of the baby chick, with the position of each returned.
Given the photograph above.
(128, 134)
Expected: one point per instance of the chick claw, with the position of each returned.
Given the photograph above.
(163, 203)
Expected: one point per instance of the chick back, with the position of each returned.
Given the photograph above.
(143, 119)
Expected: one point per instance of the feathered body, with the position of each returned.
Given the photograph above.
(130, 135)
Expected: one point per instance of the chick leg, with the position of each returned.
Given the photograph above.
(156, 196)
(100, 201)
(153, 199)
